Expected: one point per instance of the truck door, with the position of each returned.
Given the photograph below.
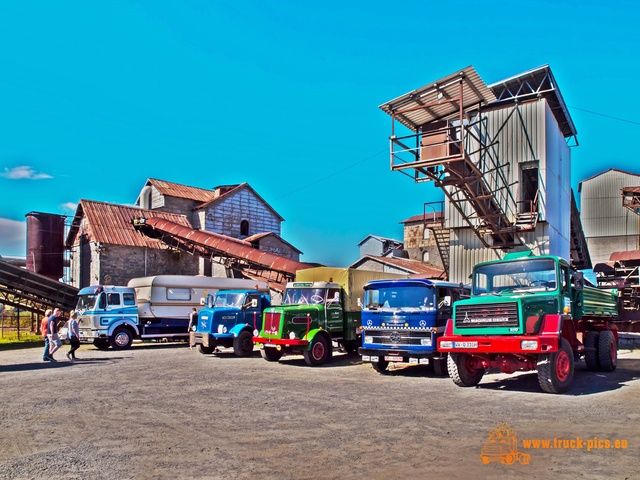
(444, 301)
(333, 303)
(251, 310)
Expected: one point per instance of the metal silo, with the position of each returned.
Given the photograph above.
(45, 244)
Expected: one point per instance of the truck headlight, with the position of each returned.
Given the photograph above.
(529, 345)
(222, 329)
(446, 344)
(256, 332)
(425, 342)
(292, 335)
(368, 339)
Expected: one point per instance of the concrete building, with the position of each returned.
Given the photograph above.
(608, 226)
(501, 156)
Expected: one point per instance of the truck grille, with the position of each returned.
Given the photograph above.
(496, 315)
(272, 323)
(397, 337)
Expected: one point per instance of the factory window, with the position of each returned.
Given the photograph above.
(425, 234)
(244, 228)
(425, 256)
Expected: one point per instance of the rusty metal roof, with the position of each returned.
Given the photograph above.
(223, 245)
(112, 224)
(631, 255)
(260, 236)
(414, 267)
(183, 191)
(409, 108)
(429, 217)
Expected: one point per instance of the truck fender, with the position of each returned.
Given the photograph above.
(235, 331)
(316, 331)
(551, 328)
(448, 329)
(124, 321)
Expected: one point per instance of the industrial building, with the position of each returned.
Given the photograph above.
(609, 226)
(501, 155)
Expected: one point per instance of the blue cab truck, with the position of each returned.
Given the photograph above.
(402, 319)
(229, 319)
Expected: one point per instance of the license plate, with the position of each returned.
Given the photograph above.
(269, 344)
(465, 344)
(393, 358)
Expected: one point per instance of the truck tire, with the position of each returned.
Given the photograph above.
(121, 339)
(440, 366)
(206, 350)
(380, 366)
(101, 344)
(555, 371)
(319, 352)
(271, 354)
(243, 344)
(590, 340)
(607, 351)
(461, 370)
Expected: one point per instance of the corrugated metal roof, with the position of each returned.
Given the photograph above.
(409, 108)
(183, 191)
(414, 267)
(227, 191)
(625, 256)
(260, 236)
(429, 217)
(112, 224)
(532, 84)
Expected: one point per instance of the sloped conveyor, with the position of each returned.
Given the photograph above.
(30, 291)
(231, 252)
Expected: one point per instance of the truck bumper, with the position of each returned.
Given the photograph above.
(517, 344)
(88, 336)
(407, 354)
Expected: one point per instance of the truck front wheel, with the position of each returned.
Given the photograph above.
(271, 354)
(319, 353)
(121, 339)
(380, 366)
(243, 344)
(463, 370)
(206, 350)
(440, 366)
(555, 371)
(607, 351)
(590, 340)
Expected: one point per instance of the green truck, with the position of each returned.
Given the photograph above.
(321, 308)
(529, 312)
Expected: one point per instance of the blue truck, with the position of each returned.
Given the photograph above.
(229, 320)
(402, 319)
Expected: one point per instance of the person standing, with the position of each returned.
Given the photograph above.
(74, 335)
(52, 329)
(44, 331)
(193, 320)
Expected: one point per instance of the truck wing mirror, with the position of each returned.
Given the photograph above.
(203, 301)
(254, 303)
(360, 303)
(578, 280)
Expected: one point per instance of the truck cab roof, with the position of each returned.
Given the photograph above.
(95, 289)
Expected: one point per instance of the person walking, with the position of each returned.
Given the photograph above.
(193, 320)
(74, 335)
(44, 331)
(52, 329)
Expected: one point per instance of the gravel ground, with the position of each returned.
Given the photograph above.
(163, 411)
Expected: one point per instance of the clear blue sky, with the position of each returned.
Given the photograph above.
(96, 97)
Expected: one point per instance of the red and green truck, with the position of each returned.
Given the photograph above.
(321, 308)
(529, 312)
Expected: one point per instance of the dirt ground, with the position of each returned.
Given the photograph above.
(161, 411)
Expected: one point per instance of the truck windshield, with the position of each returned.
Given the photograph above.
(518, 276)
(403, 298)
(229, 300)
(86, 302)
(297, 296)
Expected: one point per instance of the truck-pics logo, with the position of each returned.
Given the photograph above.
(502, 446)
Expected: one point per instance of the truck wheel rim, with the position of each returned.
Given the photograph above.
(563, 365)
(318, 351)
(122, 339)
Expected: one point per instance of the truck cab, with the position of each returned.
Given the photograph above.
(108, 316)
(312, 316)
(229, 319)
(402, 319)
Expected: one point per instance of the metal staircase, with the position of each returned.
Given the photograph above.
(580, 258)
(453, 147)
(434, 222)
